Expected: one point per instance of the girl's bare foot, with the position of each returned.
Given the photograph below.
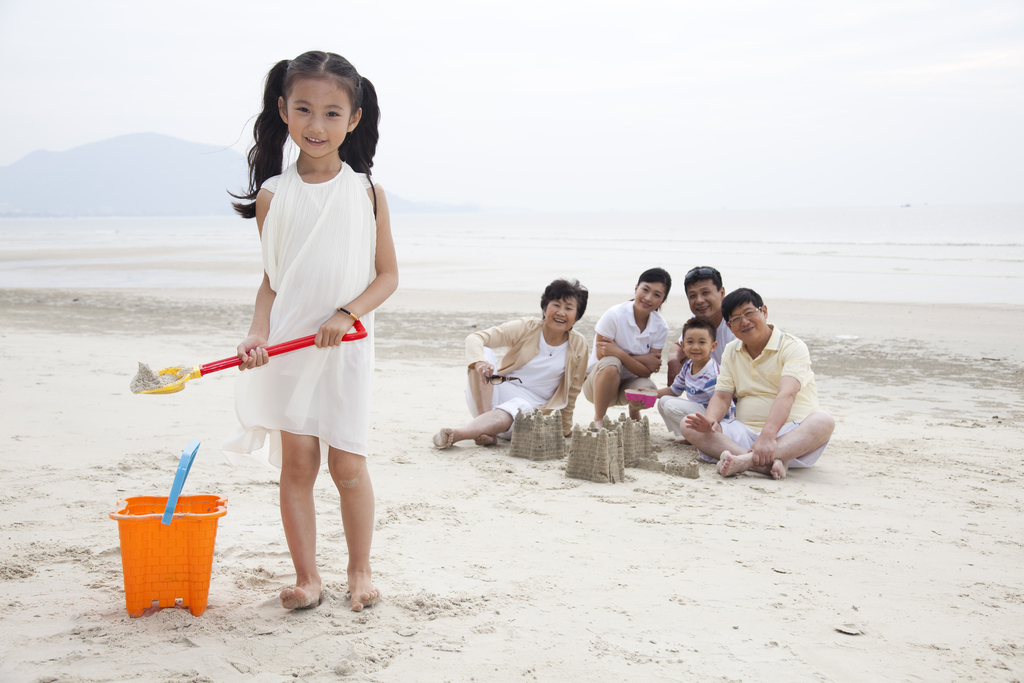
(301, 597)
(444, 438)
(485, 440)
(361, 591)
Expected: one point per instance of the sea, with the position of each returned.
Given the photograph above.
(936, 254)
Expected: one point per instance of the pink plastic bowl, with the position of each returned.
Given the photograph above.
(638, 395)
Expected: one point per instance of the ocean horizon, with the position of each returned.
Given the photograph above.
(928, 254)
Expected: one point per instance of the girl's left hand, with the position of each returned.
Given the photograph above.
(331, 332)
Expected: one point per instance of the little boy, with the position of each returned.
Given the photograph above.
(695, 384)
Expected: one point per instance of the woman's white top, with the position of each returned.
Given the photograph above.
(619, 324)
(319, 243)
(541, 375)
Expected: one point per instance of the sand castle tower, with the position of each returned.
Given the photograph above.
(537, 436)
(596, 455)
(636, 440)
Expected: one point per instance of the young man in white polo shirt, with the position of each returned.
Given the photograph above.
(778, 424)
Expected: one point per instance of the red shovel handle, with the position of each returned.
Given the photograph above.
(357, 332)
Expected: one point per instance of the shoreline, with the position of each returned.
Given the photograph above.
(229, 309)
(942, 254)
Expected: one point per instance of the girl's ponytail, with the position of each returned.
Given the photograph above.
(269, 134)
(361, 144)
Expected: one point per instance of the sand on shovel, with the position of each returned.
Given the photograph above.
(147, 380)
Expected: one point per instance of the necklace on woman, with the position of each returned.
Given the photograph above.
(550, 348)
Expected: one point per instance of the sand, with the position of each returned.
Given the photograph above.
(907, 532)
(146, 379)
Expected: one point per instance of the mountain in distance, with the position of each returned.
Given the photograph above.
(140, 174)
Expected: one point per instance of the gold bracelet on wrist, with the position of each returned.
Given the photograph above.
(347, 312)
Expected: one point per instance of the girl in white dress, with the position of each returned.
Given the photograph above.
(329, 260)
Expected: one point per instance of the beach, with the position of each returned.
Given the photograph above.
(897, 557)
(852, 166)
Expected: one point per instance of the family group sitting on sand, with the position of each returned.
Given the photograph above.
(739, 389)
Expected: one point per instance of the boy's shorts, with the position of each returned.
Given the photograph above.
(745, 437)
(674, 408)
(624, 384)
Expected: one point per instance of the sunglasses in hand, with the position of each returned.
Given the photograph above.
(498, 379)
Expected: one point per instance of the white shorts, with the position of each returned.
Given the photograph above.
(674, 408)
(745, 437)
(510, 404)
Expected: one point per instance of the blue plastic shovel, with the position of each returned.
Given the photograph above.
(184, 465)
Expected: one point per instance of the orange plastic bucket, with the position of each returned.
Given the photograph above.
(167, 563)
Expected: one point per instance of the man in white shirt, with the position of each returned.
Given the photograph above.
(704, 292)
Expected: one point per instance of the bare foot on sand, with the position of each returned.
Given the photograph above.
(729, 464)
(634, 410)
(444, 438)
(779, 470)
(361, 591)
(301, 597)
(485, 440)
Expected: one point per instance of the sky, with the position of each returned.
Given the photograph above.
(566, 106)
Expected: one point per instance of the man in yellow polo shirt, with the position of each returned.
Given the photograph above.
(778, 424)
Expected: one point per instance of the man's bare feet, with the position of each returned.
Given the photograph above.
(444, 438)
(485, 440)
(301, 597)
(779, 470)
(361, 591)
(729, 464)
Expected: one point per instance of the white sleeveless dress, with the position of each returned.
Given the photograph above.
(319, 243)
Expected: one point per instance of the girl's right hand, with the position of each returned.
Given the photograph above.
(253, 352)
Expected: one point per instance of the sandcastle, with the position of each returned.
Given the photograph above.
(596, 455)
(601, 455)
(537, 436)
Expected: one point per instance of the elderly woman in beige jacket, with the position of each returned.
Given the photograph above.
(544, 367)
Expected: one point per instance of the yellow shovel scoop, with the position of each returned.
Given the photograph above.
(171, 380)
